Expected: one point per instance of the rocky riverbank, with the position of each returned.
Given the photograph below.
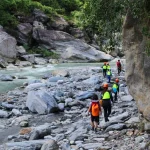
(50, 114)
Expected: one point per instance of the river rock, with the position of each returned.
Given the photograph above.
(6, 78)
(62, 73)
(122, 116)
(3, 114)
(85, 95)
(127, 98)
(67, 46)
(92, 80)
(8, 106)
(116, 127)
(20, 50)
(3, 63)
(16, 112)
(7, 46)
(25, 145)
(35, 86)
(28, 57)
(41, 102)
(50, 145)
(40, 61)
(55, 79)
(61, 106)
(40, 131)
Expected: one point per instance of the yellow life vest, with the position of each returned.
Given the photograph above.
(104, 67)
(108, 73)
(115, 86)
(108, 67)
(106, 95)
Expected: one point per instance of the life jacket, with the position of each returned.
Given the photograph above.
(104, 67)
(115, 87)
(95, 108)
(108, 67)
(106, 95)
(108, 73)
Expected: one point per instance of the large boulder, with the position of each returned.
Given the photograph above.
(41, 102)
(136, 47)
(67, 46)
(7, 46)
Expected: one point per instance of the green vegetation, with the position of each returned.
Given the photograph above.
(103, 18)
(43, 52)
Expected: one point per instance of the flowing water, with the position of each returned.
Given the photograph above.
(38, 72)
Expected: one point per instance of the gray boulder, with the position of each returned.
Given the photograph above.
(41, 102)
(3, 63)
(85, 95)
(7, 46)
(50, 145)
(55, 79)
(35, 86)
(20, 50)
(116, 127)
(3, 114)
(30, 58)
(6, 78)
(67, 46)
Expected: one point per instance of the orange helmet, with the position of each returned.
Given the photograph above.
(105, 85)
(117, 80)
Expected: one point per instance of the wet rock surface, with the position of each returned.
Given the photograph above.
(24, 127)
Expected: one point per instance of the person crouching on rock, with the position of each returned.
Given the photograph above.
(106, 97)
(115, 89)
(95, 110)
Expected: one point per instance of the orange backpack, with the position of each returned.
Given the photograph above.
(95, 109)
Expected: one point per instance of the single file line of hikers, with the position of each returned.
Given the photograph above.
(106, 97)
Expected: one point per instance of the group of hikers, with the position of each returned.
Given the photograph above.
(106, 97)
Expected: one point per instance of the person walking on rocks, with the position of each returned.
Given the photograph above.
(95, 110)
(104, 69)
(119, 66)
(108, 66)
(106, 97)
(115, 89)
(109, 74)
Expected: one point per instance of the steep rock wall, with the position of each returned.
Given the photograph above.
(137, 64)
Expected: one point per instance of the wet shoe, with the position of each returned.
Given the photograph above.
(95, 130)
(92, 128)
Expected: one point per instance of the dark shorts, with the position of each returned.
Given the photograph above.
(95, 118)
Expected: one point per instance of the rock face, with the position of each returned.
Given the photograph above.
(67, 46)
(7, 45)
(136, 47)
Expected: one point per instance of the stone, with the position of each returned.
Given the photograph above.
(25, 131)
(61, 106)
(85, 95)
(41, 102)
(3, 63)
(6, 78)
(25, 145)
(62, 73)
(3, 114)
(92, 80)
(20, 50)
(35, 86)
(133, 120)
(40, 131)
(116, 127)
(40, 61)
(127, 98)
(7, 46)
(50, 145)
(23, 63)
(139, 139)
(17, 120)
(147, 126)
(55, 79)
(8, 106)
(28, 57)
(16, 112)
(24, 124)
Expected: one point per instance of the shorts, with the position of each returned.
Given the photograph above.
(95, 118)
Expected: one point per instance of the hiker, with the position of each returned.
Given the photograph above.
(108, 66)
(106, 97)
(104, 69)
(115, 89)
(95, 110)
(109, 74)
(118, 66)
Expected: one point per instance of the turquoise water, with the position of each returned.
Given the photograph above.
(38, 72)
